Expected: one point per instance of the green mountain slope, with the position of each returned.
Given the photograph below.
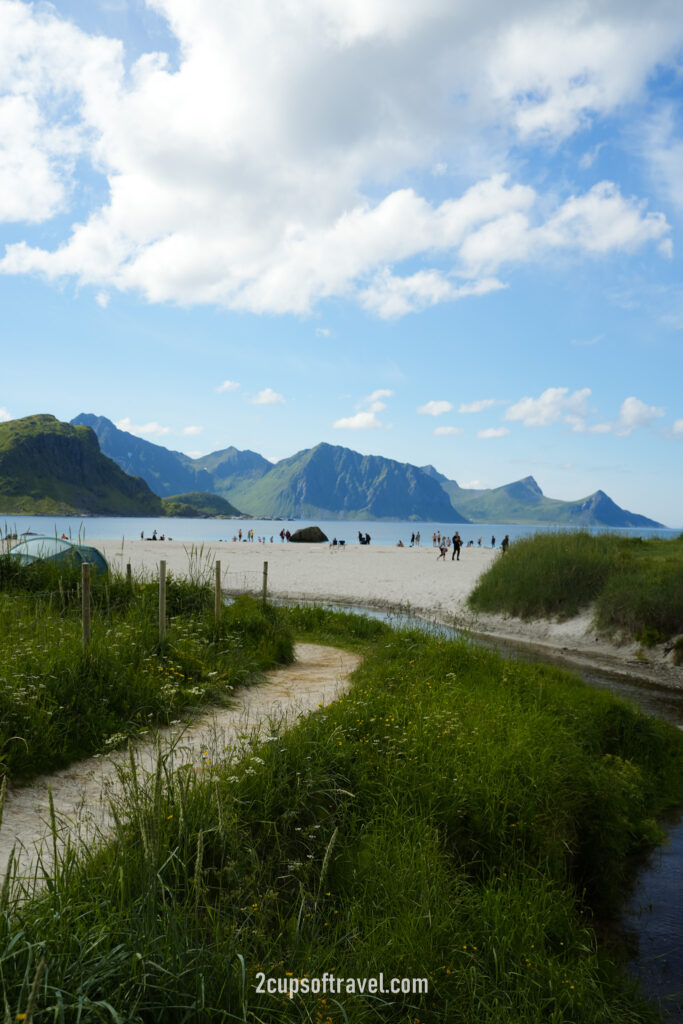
(331, 482)
(198, 505)
(523, 502)
(166, 472)
(232, 468)
(49, 467)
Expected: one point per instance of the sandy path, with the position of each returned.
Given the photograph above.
(81, 792)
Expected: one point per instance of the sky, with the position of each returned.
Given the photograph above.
(443, 232)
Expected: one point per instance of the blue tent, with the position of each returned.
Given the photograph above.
(62, 552)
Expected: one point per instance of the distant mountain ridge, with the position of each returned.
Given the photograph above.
(332, 482)
(49, 467)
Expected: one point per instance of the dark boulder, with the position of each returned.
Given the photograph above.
(309, 535)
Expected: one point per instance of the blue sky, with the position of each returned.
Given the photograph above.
(437, 232)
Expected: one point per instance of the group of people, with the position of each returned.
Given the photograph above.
(142, 536)
(443, 543)
(363, 538)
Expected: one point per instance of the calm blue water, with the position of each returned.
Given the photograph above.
(130, 528)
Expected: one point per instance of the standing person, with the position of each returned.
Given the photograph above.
(239, 533)
(457, 544)
(417, 538)
(282, 534)
(442, 549)
(367, 538)
(493, 542)
(412, 540)
(479, 542)
(434, 540)
(505, 543)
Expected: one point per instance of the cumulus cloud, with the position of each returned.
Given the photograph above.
(634, 414)
(268, 397)
(152, 429)
(192, 431)
(553, 405)
(435, 408)
(478, 406)
(364, 420)
(366, 417)
(197, 210)
(447, 431)
(493, 432)
(227, 385)
(4, 415)
(677, 428)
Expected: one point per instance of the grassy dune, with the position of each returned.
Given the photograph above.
(635, 585)
(455, 817)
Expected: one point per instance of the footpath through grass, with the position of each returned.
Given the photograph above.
(60, 703)
(635, 584)
(455, 817)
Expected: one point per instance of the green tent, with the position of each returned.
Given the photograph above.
(62, 552)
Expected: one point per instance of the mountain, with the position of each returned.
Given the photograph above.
(331, 482)
(523, 502)
(198, 505)
(49, 467)
(166, 472)
(231, 467)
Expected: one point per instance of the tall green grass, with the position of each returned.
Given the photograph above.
(59, 702)
(635, 585)
(454, 816)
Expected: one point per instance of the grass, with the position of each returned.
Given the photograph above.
(635, 585)
(455, 817)
(60, 703)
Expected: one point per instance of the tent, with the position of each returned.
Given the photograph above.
(60, 552)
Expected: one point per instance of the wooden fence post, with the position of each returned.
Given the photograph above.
(129, 574)
(218, 597)
(85, 601)
(265, 582)
(162, 600)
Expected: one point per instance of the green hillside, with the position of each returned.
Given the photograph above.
(331, 482)
(523, 502)
(48, 467)
(198, 505)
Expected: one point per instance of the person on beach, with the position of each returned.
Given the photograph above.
(442, 549)
(412, 540)
(505, 543)
(417, 539)
(457, 544)
(493, 542)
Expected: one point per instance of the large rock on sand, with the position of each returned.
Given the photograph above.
(309, 535)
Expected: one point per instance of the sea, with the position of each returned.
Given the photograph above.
(89, 528)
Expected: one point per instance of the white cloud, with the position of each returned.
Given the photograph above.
(552, 405)
(634, 414)
(435, 408)
(152, 429)
(447, 431)
(493, 432)
(102, 299)
(366, 417)
(478, 406)
(600, 428)
(587, 342)
(268, 397)
(197, 210)
(192, 431)
(677, 428)
(227, 385)
(473, 485)
(364, 420)
(323, 332)
(4, 415)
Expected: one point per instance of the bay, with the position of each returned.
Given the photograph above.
(207, 530)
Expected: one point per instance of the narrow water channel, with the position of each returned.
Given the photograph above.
(654, 913)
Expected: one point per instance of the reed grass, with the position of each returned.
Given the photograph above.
(455, 816)
(635, 586)
(60, 702)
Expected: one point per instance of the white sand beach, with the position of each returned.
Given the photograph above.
(410, 580)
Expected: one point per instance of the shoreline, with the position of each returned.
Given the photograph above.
(407, 581)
